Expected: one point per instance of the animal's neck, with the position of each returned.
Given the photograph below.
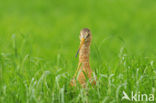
(84, 54)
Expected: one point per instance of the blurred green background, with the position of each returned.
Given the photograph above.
(52, 27)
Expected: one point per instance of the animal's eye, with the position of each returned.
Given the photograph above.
(87, 36)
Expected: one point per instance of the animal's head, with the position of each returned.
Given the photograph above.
(85, 37)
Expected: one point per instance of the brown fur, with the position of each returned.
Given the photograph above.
(83, 66)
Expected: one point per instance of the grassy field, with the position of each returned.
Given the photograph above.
(39, 40)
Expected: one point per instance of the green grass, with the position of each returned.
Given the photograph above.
(39, 39)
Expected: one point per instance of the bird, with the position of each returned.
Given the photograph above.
(84, 71)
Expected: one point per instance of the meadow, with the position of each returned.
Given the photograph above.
(39, 40)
